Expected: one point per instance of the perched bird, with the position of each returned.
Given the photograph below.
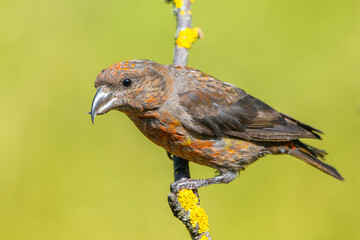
(194, 116)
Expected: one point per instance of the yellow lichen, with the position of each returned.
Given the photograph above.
(189, 202)
(187, 37)
(178, 3)
(182, 12)
(203, 237)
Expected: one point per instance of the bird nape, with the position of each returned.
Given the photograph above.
(196, 117)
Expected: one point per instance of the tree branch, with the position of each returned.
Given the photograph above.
(183, 21)
(185, 203)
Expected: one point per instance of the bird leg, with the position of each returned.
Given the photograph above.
(185, 183)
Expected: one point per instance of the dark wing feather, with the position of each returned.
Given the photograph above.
(218, 109)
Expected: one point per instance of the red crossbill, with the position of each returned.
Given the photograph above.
(194, 116)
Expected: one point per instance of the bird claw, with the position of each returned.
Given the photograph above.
(187, 183)
(182, 183)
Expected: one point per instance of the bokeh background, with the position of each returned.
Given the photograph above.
(63, 178)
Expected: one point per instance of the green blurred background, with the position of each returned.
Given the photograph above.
(63, 178)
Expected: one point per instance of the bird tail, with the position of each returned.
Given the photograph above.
(311, 156)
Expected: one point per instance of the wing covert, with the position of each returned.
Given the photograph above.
(231, 112)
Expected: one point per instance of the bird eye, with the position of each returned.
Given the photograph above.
(127, 82)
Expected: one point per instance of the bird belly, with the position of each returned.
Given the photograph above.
(222, 154)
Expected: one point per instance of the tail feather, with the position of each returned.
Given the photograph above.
(309, 128)
(310, 150)
(311, 156)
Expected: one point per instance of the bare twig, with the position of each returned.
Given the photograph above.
(185, 203)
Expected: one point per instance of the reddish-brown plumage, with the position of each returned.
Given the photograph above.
(199, 118)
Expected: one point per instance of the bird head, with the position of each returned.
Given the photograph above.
(133, 87)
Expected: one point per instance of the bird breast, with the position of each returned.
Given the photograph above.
(162, 129)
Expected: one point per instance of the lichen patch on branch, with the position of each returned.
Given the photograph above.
(189, 201)
(204, 237)
(178, 3)
(187, 37)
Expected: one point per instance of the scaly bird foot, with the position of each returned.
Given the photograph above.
(186, 183)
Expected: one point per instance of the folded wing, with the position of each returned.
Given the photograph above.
(225, 110)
